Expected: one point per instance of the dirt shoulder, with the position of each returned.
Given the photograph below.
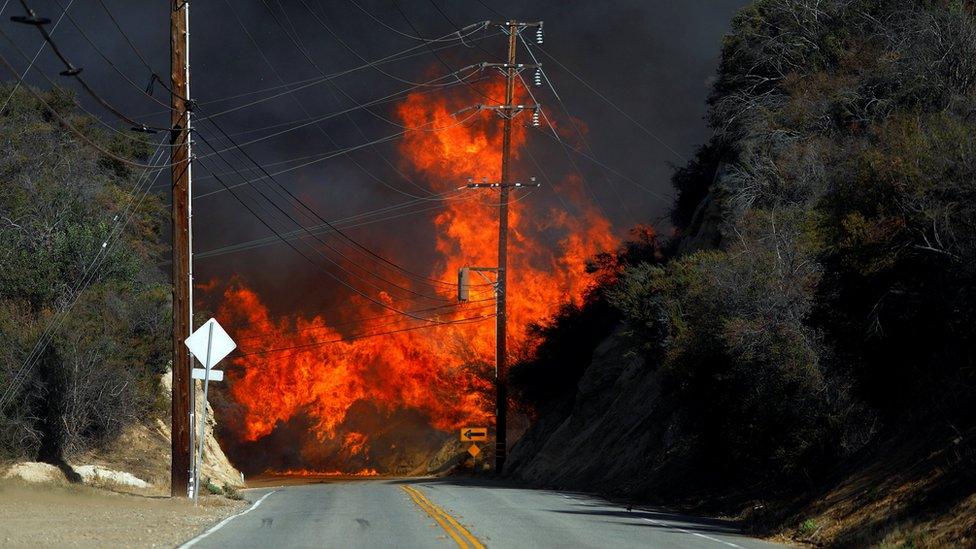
(46, 515)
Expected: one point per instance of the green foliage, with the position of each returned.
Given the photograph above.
(59, 202)
(213, 488)
(843, 286)
(729, 332)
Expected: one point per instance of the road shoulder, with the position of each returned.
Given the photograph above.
(34, 515)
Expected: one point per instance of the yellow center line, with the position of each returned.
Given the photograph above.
(464, 531)
(458, 533)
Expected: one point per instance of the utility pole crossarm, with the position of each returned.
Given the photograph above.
(486, 185)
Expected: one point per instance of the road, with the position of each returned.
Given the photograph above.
(445, 513)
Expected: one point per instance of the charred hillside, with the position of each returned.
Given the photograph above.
(807, 337)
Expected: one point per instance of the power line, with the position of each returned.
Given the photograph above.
(296, 40)
(410, 36)
(608, 101)
(88, 141)
(366, 335)
(572, 122)
(343, 43)
(314, 236)
(36, 55)
(308, 82)
(354, 221)
(112, 64)
(316, 215)
(318, 121)
(340, 152)
(75, 72)
(125, 135)
(363, 320)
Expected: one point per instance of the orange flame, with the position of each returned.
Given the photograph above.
(429, 370)
(311, 473)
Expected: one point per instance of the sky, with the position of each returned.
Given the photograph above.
(653, 59)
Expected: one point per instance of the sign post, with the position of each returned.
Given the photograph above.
(209, 344)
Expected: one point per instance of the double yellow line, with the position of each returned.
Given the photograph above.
(458, 533)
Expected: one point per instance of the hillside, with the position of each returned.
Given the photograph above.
(800, 353)
(84, 306)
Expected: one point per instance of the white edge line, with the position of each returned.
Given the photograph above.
(699, 534)
(224, 522)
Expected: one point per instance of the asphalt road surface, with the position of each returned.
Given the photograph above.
(445, 513)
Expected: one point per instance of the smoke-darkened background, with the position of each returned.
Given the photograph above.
(651, 59)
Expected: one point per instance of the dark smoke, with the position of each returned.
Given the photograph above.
(653, 58)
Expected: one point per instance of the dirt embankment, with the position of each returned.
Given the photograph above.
(58, 515)
(619, 436)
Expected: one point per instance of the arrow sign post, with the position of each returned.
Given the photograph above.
(210, 344)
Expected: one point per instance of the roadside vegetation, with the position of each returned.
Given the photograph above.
(819, 296)
(59, 201)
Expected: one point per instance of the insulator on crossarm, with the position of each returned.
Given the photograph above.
(538, 77)
(538, 35)
(535, 118)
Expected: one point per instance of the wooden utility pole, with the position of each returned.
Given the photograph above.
(508, 112)
(501, 319)
(180, 159)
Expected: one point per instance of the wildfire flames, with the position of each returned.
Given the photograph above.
(310, 473)
(443, 371)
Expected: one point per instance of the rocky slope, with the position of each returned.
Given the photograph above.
(615, 435)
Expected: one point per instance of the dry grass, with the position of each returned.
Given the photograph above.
(903, 496)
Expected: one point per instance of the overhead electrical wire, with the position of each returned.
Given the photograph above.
(336, 88)
(413, 91)
(54, 85)
(154, 76)
(315, 16)
(36, 55)
(75, 72)
(68, 64)
(317, 122)
(398, 31)
(552, 184)
(572, 122)
(340, 152)
(338, 231)
(306, 83)
(462, 321)
(569, 157)
(491, 9)
(112, 64)
(68, 125)
(616, 107)
(345, 306)
(359, 220)
(434, 53)
(335, 263)
(360, 320)
(297, 42)
(346, 111)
